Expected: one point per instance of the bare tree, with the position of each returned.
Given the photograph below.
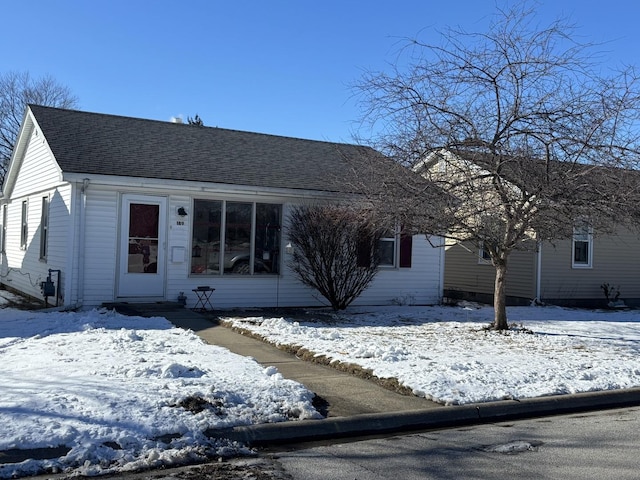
(17, 90)
(197, 121)
(518, 126)
(334, 251)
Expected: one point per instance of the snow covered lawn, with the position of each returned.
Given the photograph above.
(445, 354)
(126, 392)
(123, 393)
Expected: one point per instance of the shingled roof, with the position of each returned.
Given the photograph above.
(99, 144)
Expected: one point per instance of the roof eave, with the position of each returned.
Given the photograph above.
(19, 149)
(204, 187)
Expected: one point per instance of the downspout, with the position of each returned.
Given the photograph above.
(81, 240)
(443, 250)
(538, 272)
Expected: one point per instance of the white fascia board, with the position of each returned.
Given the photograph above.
(117, 181)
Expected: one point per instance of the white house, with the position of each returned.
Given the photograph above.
(112, 208)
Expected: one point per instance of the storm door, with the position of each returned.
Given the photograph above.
(142, 247)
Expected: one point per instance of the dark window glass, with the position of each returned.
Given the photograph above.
(205, 249)
(44, 227)
(237, 251)
(267, 242)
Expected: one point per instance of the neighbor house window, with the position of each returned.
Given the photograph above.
(235, 238)
(24, 230)
(3, 239)
(484, 258)
(44, 225)
(582, 250)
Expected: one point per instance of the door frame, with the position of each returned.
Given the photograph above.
(141, 286)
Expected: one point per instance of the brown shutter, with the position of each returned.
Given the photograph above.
(364, 252)
(406, 247)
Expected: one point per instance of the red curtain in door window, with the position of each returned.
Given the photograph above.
(143, 238)
(143, 220)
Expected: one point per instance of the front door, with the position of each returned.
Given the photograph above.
(142, 247)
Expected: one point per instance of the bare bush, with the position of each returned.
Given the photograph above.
(335, 251)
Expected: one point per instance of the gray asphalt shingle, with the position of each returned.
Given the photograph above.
(100, 144)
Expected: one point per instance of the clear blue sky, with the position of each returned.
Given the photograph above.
(279, 67)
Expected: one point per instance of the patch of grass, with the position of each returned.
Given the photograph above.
(196, 404)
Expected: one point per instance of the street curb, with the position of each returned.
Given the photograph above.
(393, 422)
(435, 418)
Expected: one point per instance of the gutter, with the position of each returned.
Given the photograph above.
(539, 272)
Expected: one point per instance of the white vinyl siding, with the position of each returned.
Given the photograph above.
(100, 246)
(39, 171)
(419, 285)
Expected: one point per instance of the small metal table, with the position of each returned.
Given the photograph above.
(203, 295)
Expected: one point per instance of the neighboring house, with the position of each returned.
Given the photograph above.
(124, 209)
(567, 272)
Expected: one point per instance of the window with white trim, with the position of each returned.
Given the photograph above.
(386, 250)
(582, 246)
(44, 228)
(240, 238)
(24, 227)
(392, 250)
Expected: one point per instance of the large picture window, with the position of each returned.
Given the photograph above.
(239, 238)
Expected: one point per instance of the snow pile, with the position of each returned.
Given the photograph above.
(445, 353)
(124, 393)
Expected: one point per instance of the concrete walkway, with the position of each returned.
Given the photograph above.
(345, 395)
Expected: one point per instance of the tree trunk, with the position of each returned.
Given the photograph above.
(500, 296)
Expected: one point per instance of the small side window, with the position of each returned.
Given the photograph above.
(582, 247)
(24, 230)
(483, 255)
(44, 226)
(387, 250)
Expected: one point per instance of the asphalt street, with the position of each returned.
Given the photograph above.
(595, 445)
(588, 446)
